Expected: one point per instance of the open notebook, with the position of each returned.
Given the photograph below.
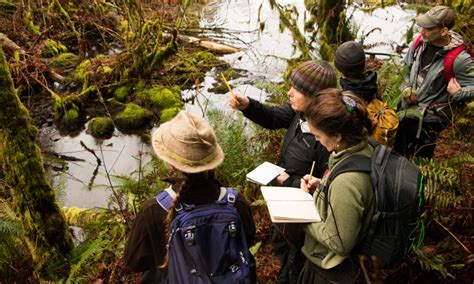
(290, 205)
(264, 173)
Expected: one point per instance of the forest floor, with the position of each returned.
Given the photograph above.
(460, 218)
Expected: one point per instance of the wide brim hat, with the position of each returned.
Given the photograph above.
(188, 143)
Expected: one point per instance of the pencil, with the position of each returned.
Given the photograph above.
(226, 83)
(310, 175)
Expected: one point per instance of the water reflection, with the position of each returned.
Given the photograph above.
(118, 155)
(235, 22)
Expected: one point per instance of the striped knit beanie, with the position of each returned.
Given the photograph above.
(312, 76)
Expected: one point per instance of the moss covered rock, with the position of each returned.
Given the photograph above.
(169, 113)
(132, 117)
(101, 127)
(122, 92)
(64, 60)
(52, 48)
(162, 97)
(192, 68)
(68, 117)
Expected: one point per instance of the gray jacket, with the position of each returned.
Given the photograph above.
(433, 88)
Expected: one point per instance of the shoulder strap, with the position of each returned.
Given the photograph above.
(229, 197)
(417, 42)
(354, 163)
(448, 64)
(166, 198)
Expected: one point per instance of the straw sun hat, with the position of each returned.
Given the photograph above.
(188, 143)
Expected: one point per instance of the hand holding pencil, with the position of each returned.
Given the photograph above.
(308, 181)
(236, 100)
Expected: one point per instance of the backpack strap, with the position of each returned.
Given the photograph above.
(416, 44)
(354, 163)
(165, 198)
(448, 63)
(229, 197)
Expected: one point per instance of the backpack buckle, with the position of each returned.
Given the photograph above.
(178, 207)
(231, 198)
(189, 237)
(233, 268)
(232, 229)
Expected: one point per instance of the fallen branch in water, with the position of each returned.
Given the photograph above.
(214, 46)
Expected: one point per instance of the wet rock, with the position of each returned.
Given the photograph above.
(132, 117)
(101, 127)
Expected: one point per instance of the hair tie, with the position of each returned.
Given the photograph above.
(349, 103)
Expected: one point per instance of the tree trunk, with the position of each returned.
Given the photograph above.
(33, 196)
(331, 19)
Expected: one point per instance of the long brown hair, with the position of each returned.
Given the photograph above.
(335, 115)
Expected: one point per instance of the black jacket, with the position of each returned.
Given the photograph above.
(299, 149)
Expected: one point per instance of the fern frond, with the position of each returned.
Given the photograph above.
(435, 263)
(10, 228)
(82, 254)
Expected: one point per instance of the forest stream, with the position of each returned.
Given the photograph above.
(82, 182)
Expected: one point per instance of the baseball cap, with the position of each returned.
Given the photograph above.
(439, 16)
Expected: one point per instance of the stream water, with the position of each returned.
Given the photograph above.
(263, 57)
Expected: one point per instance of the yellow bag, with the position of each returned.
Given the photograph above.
(385, 120)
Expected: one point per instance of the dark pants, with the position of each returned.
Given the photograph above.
(408, 145)
(346, 272)
(289, 254)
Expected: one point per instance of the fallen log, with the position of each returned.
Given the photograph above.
(211, 45)
(9, 46)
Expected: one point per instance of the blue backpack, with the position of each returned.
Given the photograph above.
(207, 243)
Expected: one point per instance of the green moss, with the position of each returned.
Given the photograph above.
(169, 113)
(463, 125)
(82, 71)
(71, 120)
(326, 51)
(7, 7)
(469, 109)
(132, 117)
(30, 24)
(219, 88)
(205, 58)
(192, 67)
(101, 127)
(52, 48)
(230, 74)
(162, 97)
(64, 60)
(122, 92)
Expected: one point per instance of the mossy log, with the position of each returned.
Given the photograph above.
(33, 196)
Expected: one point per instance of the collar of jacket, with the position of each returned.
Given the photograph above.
(336, 157)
